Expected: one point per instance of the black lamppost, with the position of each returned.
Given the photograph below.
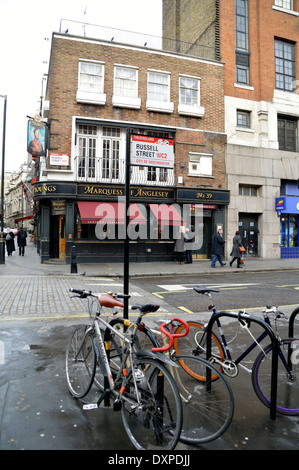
(2, 239)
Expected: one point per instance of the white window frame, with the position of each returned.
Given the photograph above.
(285, 9)
(121, 99)
(156, 105)
(88, 95)
(200, 164)
(190, 109)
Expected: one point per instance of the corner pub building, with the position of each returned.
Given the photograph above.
(100, 95)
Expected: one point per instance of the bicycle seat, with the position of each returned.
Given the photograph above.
(204, 289)
(146, 308)
(107, 300)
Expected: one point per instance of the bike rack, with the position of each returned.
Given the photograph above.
(291, 322)
(274, 341)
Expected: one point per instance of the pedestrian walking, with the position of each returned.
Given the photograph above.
(180, 246)
(236, 251)
(218, 249)
(21, 238)
(189, 245)
(9, 241)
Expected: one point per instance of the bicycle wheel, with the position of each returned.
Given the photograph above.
(208, 405)
(152, 413)
(195, 344)
(287, 385)
(80, 361)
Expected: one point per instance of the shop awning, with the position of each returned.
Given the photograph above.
(166, 214)
(24, 218)
(92, 212)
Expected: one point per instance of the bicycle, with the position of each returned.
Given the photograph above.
(137, 381)
(287, 383)
(207, 408)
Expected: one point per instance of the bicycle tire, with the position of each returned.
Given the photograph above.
(287, 389)
(153, 423)
(194, 344)
(208, 405)
(206, 415)
(80, 361)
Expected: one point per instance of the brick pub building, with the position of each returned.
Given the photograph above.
(99, 92)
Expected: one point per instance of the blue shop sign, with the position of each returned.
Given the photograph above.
(287, 205)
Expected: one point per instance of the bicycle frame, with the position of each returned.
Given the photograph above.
(252, 346)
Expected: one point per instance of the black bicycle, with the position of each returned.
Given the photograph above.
(288, 363)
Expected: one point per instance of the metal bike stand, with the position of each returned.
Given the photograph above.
(291, 322)
(274, 341)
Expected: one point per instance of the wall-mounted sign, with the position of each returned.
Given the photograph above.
(36, 138)
(152, 151)
(58, 207)
(59, 159)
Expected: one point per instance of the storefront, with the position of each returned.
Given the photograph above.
(287, 208)
(92, 217)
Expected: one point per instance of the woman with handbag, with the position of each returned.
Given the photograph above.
(238, 250)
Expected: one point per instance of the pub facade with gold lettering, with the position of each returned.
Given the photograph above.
(101, 98)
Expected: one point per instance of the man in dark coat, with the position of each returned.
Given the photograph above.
(218, 248)
(22, 235)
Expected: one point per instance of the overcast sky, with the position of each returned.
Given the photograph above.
(25, 39)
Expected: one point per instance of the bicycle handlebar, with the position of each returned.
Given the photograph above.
(170, 335)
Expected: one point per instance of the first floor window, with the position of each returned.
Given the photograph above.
(87, 151)
(287, 133)
(125, 82)
(111, 153)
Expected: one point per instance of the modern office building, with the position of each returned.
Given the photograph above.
(258, 43)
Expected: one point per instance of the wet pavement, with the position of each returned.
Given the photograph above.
(37, 316)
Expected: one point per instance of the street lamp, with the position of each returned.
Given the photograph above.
(2, 239)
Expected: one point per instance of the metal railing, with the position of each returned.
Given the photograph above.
(99, 170)
(78, 28)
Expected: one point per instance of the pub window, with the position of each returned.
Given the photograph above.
(189, 91)
(91, 77)
(87, 151)
(286, 4)
(126, 82)
(111, 153)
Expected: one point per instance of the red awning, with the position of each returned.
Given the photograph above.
(108, 213)
(166, 214)
(23, 218)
